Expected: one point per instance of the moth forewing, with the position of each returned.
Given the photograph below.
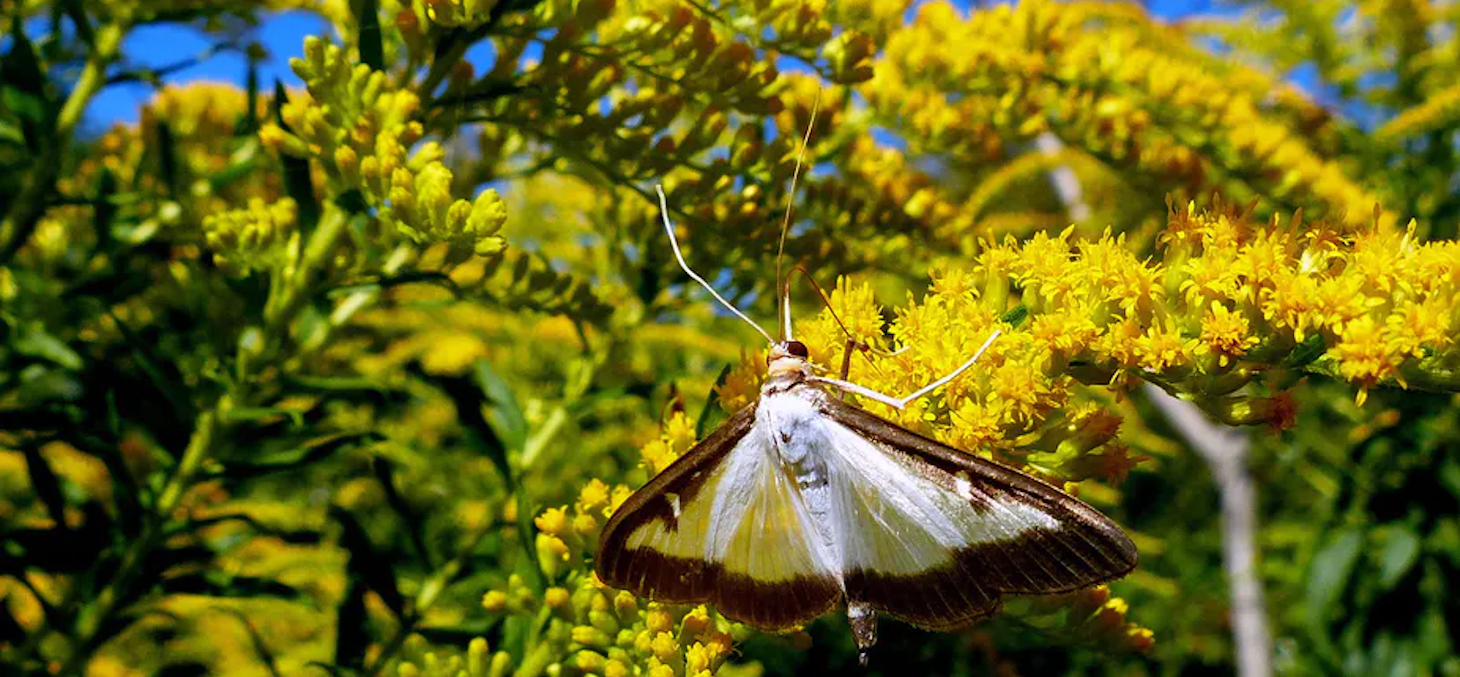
(1014, 533)
(722, 525)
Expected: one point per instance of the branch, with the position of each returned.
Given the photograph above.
(1225, 451)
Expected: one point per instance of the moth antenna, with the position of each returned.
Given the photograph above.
(678, 256)
(783, 285)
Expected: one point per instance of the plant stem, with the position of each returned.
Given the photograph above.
(294, 293)
(97, 613)
(30, 205)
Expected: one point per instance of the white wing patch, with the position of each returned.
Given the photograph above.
(748, 517)
(882, 513)
(759, 524)
(892, 519)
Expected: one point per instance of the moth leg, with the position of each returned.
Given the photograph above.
(902, 402)
(863, 620)
(847, 359)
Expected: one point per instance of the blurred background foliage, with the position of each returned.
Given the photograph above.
(344, 379)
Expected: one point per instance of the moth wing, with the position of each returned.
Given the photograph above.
(935, 536)
(723, 524)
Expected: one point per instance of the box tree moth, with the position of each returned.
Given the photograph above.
(801, 503)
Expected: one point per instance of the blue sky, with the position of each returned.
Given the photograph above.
(283, 36)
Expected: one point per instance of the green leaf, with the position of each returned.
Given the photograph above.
(260, 648)
(43, 385)
(1450, 476)
(311, 452)
(367, 31)
(47, 487)
(1016, 316)
(11, 134)
(23, 92)
(250, 122)
(35, 342)
(468, 400)
(1399, 555)
(504, 414)
(1330, 571)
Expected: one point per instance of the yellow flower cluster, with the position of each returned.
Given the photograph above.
(591, 629)
(261, 236)
(1231, 317)
(564, 536)
(619, 636)
(362, 138)
(678, 436)
(1102, 84)
(453, 12)
(1016, 404)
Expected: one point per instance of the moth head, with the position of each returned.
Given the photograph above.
(787, 356)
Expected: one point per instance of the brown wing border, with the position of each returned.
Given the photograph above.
(1088, 548)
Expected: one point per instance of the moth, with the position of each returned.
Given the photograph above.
(801, 503)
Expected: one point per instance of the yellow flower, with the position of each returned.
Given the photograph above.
(1225, 333)
(1415, 328)
(742, 384)
(555, 597)
(553, 521)
(1162, 348)
(1023, 389)
(1363, 354)
(594, 496)
(494, 601)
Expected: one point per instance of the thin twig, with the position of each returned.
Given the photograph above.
(1225, 451)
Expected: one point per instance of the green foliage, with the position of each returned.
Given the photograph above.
(346, 379)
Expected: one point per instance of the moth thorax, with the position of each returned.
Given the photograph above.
(787, 358)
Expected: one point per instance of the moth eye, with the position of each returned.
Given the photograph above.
(797, 348)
